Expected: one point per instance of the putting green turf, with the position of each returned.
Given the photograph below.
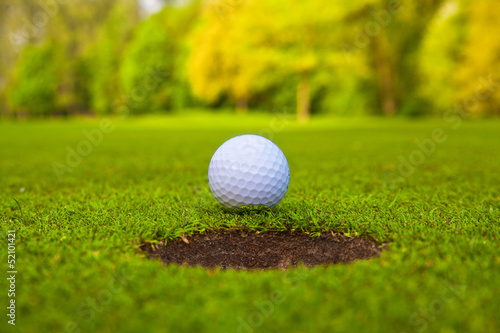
(77, 239)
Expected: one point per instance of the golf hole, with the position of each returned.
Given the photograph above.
(240, 249)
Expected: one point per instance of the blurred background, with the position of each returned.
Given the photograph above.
(346, 57)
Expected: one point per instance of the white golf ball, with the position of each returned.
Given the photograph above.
(248, 170)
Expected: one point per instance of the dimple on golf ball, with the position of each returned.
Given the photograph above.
(248, 170)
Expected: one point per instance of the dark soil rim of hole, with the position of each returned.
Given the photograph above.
(243, 249)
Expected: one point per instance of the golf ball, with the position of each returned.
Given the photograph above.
(248, 170)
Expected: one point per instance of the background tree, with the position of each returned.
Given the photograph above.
(15, 33)
(259, 43)
(394, 54)
(440, 55)
(220, 65)
(151, 72)
(75, 28)
(34, 86)
(302, 42)
(478, 75)
(105, 56)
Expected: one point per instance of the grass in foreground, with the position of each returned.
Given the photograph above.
(79, 269)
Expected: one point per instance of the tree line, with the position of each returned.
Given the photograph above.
(379, 57)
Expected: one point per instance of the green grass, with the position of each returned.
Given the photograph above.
(80, 270)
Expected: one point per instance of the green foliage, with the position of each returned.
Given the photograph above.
(151, 72)
(36, 78)
(343, 91)
(393, 32)
(105, 56)
(75, 27)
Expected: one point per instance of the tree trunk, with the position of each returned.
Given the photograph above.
(385, 77)
(303, 97)
(241, 105)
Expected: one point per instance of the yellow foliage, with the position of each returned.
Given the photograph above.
(440, 54)
(219, 61)
(479, 75)
(243, 47)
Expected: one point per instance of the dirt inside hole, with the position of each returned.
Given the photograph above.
(239, 249)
